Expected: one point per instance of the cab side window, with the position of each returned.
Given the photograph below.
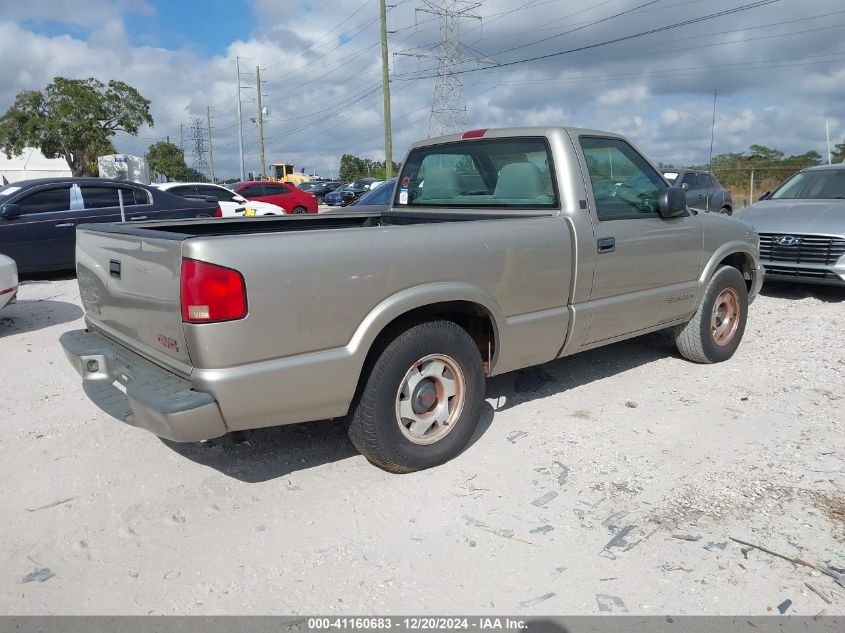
(624, 185)
(46, 200)
(251, 191)
(691, 180)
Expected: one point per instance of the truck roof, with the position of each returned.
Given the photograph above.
(506, 132)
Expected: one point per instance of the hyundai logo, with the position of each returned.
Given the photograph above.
(787, 240)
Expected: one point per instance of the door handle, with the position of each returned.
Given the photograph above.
(138, 217)
(64, 225)
(606, 245)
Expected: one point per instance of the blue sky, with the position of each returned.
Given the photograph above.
(208, 26)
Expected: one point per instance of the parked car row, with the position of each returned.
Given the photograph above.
(38, 218)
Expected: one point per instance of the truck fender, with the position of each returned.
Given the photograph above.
(417, 297)
(724, 251)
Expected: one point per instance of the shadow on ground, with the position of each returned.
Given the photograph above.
(270, 453)
(786, 290)
(29, 315)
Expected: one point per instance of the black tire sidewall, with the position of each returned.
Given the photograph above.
(452, 342)
(725, 277)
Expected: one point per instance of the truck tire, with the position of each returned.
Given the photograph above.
(421, 400)
(715, 331)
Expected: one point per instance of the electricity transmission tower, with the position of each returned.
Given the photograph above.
(199, 160)
(449, 108)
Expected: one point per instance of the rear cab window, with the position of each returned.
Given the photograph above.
(488, 173)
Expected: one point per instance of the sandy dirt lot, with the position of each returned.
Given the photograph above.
(608, 481)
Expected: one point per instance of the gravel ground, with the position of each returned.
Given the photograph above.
(608, 481)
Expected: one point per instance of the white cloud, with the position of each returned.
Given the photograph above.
(624, 95)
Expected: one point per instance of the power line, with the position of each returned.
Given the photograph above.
(711, 16)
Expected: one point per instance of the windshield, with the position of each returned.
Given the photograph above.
(232, 186)
(380, 195)
(822, 184)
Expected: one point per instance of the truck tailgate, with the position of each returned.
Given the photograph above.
(129, 287)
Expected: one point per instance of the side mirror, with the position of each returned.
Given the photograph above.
(10, 211)
(684, 186)
(765, 196)
(347, 196)
(672, 202)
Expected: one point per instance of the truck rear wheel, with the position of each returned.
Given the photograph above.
(715, 331)
(422, 400)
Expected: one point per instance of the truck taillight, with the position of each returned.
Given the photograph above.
(218, 213)
(211, 293)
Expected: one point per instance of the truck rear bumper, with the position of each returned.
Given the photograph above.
(148, 396)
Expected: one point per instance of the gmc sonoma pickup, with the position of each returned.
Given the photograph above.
(501, 249)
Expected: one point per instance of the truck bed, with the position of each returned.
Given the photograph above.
(181, 229)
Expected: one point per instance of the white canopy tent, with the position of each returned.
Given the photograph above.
(31, 164)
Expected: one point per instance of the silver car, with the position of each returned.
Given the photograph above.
(802, 227)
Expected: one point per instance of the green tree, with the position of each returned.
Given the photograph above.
(73, 119)
(767, 154)
(838, 153)
(168, 160)
(807, 159)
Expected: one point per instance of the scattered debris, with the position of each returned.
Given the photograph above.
(542, 529)
(614, 521)
(828, 571)
(508, 534)
(687, 537)
(541, 501)
(172, 574)
(564, 474)
(39, 575)
(783, 607)
(513, 436)
(619, 539)
(533, 601)
(610, 604)
(744, 398)
(631, 404)
(51, 505)
(611, 578)
(820, 614)
(671, 567)
(712, 547)
(818, 592)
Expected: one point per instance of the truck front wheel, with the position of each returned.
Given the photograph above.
(422, 399)
(715, 331)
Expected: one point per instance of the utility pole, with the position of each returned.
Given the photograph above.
(210, 150)
(182, 137)
(712, 132)
(385, 88)
(827, 131)
(240, 121)
(260, 123)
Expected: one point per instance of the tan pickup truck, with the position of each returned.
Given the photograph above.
(501, 249)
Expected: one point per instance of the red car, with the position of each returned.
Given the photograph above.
(291, 199)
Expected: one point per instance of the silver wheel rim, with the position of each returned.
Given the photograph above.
(441, 376)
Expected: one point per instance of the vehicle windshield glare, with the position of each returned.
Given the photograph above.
(671, 176)
(822, 184)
